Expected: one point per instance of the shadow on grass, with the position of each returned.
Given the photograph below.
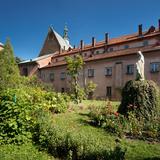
(87, 121)
(84, 114)
(153, 158)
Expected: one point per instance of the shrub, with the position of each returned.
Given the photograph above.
(56, 102)
(15, 116)
(22, 152)
(64, 144)
(105, 117)
(90, 88)
(17, 107)
(137, 127)
(140, 96)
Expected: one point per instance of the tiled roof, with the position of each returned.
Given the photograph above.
(106, 55)
(1, 44)
(37, 59)
(113, 41)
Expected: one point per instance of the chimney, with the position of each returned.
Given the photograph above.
(60, 50)
(106, 38)
(93, 41)
(159, 24)
(81, 44)
(140, 30)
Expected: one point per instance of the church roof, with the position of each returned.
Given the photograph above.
(37, 59)
(61, 41)
(1, 44)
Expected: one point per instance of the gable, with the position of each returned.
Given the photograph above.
(50, 45)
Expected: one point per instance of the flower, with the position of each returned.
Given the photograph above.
(116, 114)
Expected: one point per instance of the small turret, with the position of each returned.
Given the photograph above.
(65, 34)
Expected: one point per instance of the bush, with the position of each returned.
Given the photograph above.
(56, 102)
(67, 145)
(15, 116)
(140, 96)
(22, 152)
(132, 126)
(90, 88)
(105, 117)
(17, 107)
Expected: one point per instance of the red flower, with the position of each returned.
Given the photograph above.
(116, 114)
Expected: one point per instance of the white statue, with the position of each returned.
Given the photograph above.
(140, 66)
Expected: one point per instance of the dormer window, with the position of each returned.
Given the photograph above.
(126, 46)
(110, 49)
(97, 52)
(145, 43)
(52, 58)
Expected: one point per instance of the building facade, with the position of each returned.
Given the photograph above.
(109, 63)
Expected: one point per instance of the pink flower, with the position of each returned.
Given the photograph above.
(116, 114)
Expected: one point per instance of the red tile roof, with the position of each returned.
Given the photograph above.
(113, 41)
(107, 55)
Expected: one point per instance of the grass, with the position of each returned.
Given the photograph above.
(76, 121)
(23, 152)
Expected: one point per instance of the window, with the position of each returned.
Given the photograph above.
(130, 69)
(155, 67)
(90, 72)
(110, 49)
(62, 90)
(25, 71)
(85, 54)
(145, 43)
(63, 75)
(51, 76)
(109, 91)
(52, 58)
(97, 52)
(126, 46)
(108, 71)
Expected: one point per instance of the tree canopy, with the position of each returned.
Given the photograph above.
(9, 70)
(74, 65)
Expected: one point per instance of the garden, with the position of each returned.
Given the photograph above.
(38, 123)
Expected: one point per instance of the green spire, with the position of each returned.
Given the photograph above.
(65, 34)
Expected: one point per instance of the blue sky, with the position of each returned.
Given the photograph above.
(26, 22)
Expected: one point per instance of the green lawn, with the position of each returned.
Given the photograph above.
(76, 121)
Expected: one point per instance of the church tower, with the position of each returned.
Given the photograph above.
(65, 34)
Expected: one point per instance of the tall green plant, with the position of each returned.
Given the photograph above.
(74, 65)
(9, 70)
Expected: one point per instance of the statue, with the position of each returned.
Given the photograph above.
(140, 66)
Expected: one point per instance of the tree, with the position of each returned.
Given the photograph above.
(9, 70)
(74, 65)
